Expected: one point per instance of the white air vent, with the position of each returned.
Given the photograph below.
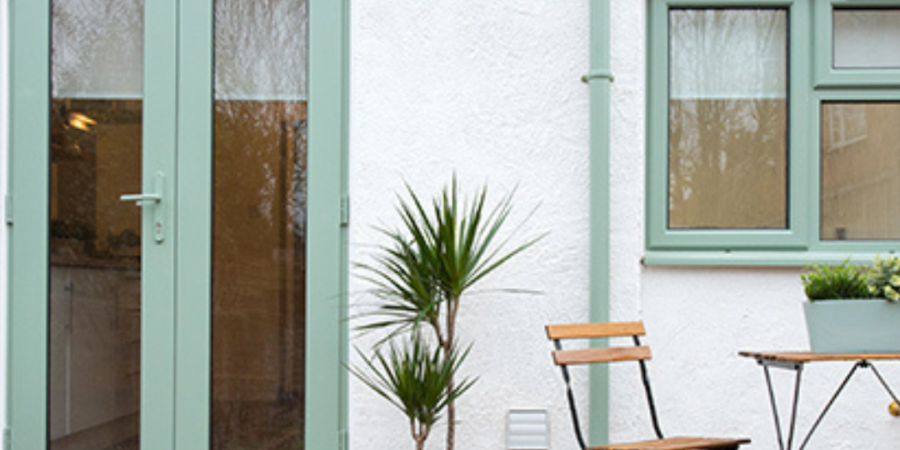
(527, 430)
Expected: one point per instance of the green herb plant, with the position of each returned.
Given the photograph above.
(884, 279)
(844, 281)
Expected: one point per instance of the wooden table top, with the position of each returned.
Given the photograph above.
(804, 357)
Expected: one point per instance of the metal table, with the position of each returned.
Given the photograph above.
(795, 361)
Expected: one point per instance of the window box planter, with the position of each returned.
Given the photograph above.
(853, 326)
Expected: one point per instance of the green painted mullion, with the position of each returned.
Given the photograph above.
(326, 296)
(600, 49)
(657, 123)
(822, 41)
(29, 133)
(158, 259)
(800, 143)
(193, 360)
(344, 103)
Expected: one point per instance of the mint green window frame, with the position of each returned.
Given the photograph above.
(168, 420)
(812, 80)
(829, 77)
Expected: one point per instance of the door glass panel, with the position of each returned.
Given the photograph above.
(860, 162)
(259, 238)
(867, 38)
(728, 119)
(95, 240)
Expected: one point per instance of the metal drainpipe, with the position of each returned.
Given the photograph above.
(598, 79)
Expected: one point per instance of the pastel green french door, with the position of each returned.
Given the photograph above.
(176, 228)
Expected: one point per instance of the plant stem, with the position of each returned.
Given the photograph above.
(452, 308)
(419, 436)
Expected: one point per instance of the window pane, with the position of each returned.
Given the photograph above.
(866, 38)
(259, 225)
(96, 113)
(860, 163)
(728, 119)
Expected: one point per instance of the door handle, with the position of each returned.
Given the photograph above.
(153, 199)
(139, 199)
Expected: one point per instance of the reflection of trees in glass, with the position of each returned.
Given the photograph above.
(727, 119)
(860, 157)
(259, 272)
(845, 124)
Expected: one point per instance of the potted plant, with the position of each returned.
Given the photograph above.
(420, 277)
(852, 308)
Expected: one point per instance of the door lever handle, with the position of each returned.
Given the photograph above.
(153, 199)
(139, 199)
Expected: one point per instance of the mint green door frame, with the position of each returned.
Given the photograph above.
(327, 185)
(28, 179)
(175, 291)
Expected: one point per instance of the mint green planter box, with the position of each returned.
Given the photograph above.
(853, 326)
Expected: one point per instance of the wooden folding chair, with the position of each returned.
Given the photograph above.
(639, 353)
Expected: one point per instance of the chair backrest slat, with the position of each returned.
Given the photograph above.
(636, 352)
(595, 330)
(601, 355)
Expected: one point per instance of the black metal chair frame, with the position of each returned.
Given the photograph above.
(573, 409)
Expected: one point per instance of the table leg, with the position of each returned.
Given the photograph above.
(831, 402)
(884, 383)
(798, 368)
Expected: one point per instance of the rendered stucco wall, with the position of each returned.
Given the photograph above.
(490, 91)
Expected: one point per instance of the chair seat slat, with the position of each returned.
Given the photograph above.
(677, 443)
(595, 330)
(600, 355)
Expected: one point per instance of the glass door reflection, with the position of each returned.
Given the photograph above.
(95, 240)
(259, 221)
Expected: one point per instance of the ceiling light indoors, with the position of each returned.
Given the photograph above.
(81, 121)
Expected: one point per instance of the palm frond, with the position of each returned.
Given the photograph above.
(414, 378)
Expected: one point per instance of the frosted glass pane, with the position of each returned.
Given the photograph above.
(860, 163)
(721, 53)
(261, 51)
(866, 38)
(98, 50)
(728, 119)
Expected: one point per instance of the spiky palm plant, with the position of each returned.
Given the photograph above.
(416, 380)
(428, 265)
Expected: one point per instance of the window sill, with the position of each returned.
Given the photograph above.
(725, 258)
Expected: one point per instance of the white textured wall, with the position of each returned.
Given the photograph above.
(490, 90)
